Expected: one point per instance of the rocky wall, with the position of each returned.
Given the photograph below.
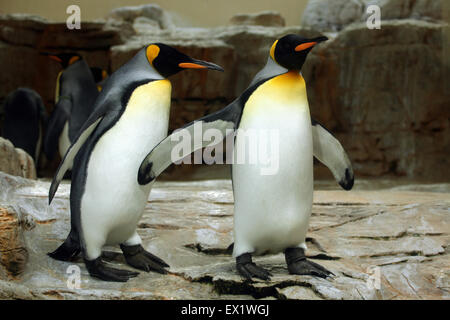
(384, 93)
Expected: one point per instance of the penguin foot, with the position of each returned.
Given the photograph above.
(137, 257)
(248, 269)
(298, 264)
(98, 269)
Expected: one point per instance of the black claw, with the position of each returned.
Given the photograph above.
(298, 264)
(137, 257)
(258, 271)
(248, 269)
(321, 268)
(98, 269)
(243, 271)
(156, 259)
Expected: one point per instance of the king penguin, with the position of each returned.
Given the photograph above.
(271, 211)
(25, 121)
(131, 115)
(100, 76)
(75, 95)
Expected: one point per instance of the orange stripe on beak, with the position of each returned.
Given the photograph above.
(188, 65)
(55, 58)
(305, 46)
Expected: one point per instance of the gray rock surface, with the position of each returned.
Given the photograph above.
(151, 12)
(325, 15)
(22, 37)
(16, 161)
(189, 224)
(36, 32)
(265, 18)
(385, 94)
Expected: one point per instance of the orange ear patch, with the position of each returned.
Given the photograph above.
(152, 52)
(305, 46)
(272, 50)
(73, 59)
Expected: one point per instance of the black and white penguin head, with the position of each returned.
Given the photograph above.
(291, 50)
(169, 61)
(99, 74)
(65, 58)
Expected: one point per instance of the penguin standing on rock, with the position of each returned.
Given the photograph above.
(130, 116)
(75, 95)
(25, 121)
(272, 211)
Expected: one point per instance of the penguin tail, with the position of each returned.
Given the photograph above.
(68, 250)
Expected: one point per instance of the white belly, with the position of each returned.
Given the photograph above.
(113, 201)
(272, 210)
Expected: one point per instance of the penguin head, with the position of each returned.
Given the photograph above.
(291, 50)
(169, 61)
(65, 59)
(99, 74)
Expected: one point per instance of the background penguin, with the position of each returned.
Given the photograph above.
(25, 121)
(271, 211)
(100, 76)
(75, 95)
(131, 115)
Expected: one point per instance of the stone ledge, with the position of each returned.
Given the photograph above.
(189, 224)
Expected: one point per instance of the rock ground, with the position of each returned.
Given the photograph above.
(405, 234)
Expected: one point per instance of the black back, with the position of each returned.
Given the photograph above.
(77, 95)
(25, 119)
(77, 83)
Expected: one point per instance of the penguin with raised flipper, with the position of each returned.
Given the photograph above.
(131, 115)
(25, 121)
(75, 95)
(271, 211)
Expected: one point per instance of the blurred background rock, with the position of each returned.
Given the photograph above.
(384, 93)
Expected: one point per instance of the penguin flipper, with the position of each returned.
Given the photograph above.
(328, 150)
(162, 156)
(70, 155)
(55, 126)
(100, 110)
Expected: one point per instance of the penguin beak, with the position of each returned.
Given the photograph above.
(312, 43)
(51, 56)
(55, 58)
(199, 64)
